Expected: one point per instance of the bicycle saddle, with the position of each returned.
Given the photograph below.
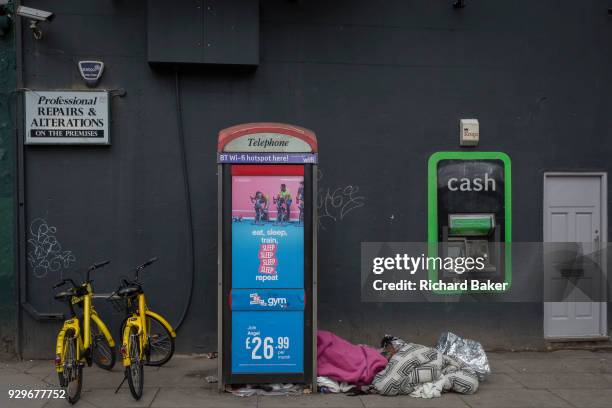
(128, 291)
(63, 296)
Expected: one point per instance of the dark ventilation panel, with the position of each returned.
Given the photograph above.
(224, 32)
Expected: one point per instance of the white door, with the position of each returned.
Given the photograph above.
(573, 213)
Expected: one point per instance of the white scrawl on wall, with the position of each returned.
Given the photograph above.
(335, 203)
(45, 253)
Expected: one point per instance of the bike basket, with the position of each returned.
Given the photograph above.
(120, 304)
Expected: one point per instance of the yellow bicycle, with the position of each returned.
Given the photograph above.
(147, 338)
(80, 342)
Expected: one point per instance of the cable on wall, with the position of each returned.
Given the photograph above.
(187, 189)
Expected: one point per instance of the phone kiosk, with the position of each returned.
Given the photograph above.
(267, 254)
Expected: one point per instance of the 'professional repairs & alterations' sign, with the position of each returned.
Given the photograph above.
(66, 117)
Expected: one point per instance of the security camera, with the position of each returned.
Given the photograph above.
(35, 16)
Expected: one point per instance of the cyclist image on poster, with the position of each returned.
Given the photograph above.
(283, 205)
(260, 202)
(266, 250)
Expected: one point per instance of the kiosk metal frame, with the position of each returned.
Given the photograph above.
(296, 147)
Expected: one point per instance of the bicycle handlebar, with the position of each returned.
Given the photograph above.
(73, 283)
(144, 265)
(147, 263)
(94, 267)
(98, 265)
(63, 282)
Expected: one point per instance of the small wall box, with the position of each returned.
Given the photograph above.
(469, 132)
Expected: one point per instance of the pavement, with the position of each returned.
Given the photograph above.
(559, 379)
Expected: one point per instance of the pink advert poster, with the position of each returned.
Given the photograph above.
(267, 198)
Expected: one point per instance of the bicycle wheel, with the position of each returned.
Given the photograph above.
(134, 372)
(102, 353)
(161, 343)
(71, 377)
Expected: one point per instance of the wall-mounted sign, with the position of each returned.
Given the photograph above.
(469, 132)
(267, 158)
(66, 117)
(267, 142)
(91, 71)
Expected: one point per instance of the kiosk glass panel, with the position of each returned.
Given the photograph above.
(267, 232)
(267, 296)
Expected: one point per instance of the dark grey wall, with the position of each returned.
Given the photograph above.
(382, 83)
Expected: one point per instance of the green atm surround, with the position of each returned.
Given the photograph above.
(432, 208)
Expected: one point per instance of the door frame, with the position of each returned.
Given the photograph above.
(603, 306)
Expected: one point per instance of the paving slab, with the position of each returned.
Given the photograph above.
(200, 397)
(186, 362)
(93, 377)
(23, 403)
(106, 398)
(21, 365)
(16, 380)
(168, 377)
(487, 398)
(448, 400)
(587, 398)
(313, 400)
(20, 381)
(500, 381)
(61, 403)
(96, 378)
(561, 380)
(519, 380)
(547, 355)
(566, 365)
(39, 366)
(501, 367)
(41, 369)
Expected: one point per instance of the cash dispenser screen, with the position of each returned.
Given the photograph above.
(267, 297)
(471, 212)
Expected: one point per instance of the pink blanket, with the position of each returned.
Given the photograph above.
(342, 361)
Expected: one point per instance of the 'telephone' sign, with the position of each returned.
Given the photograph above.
(267, 142)
(67, 117)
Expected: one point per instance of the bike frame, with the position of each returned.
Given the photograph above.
(84, 336)
(139, 321)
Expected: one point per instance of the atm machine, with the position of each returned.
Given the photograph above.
(470, 213)
(473, 235)
(267, 254)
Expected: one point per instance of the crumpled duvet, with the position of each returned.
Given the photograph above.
(424, 372)
(342, 361)
(327, 385)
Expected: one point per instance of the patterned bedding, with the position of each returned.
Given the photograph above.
(424, 372)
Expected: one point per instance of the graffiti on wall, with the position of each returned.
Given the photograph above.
(45, 252)
(334, 204)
